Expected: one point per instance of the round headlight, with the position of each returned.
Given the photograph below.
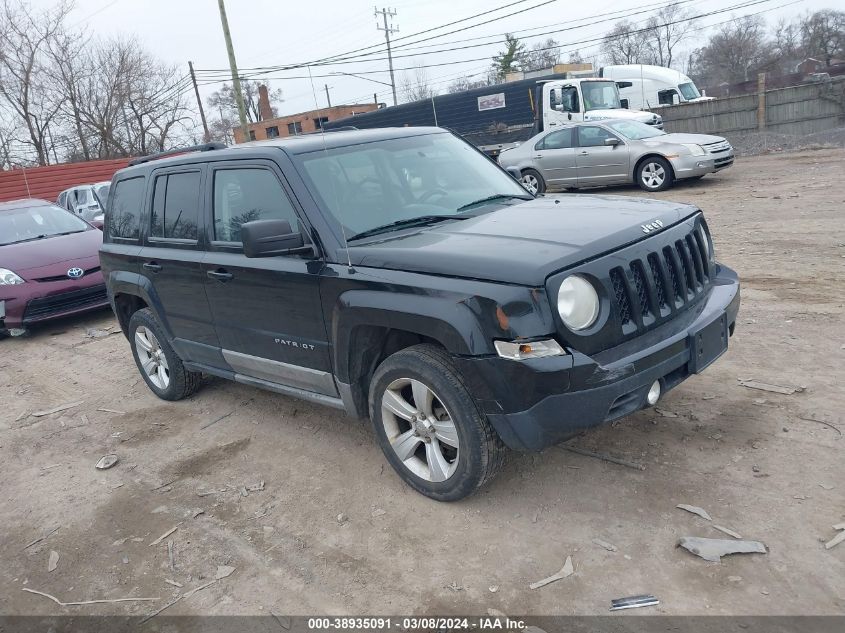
(577, 303)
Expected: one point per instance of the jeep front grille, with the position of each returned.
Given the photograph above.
(648, 290)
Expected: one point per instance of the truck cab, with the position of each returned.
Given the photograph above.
(644, 87)
(587, 99)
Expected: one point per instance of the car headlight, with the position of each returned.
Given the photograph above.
(8, 278)
(695, 150)
(577, 303)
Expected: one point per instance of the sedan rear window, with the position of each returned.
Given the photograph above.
(36, 223)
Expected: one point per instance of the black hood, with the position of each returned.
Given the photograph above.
(522, 243)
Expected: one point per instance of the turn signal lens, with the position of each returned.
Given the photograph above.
(533, 349)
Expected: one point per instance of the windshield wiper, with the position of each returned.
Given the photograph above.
(423, 220)
(493, 198)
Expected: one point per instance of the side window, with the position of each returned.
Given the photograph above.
(561, 139)
(124, 216)
(665, 97)
(592, 136)
(246, 194)
(176, 206)
(569, 100)
(62, 199)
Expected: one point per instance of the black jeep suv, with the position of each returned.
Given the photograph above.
(400, 275)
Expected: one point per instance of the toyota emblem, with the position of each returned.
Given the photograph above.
(75, 273)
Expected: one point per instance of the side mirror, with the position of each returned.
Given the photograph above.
(624, 103)
(676, 98)
(611, 142)
(267, 238)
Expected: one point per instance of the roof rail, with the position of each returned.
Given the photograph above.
(204, 147)
(343, 128)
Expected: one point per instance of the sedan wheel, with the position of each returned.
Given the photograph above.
(530, 183)
(655, 174)
(420, 429)
(153, 360)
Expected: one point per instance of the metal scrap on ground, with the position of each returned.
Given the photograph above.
(713, 549)
(633, 602)
(836, 540)
(601, 456)
(566, 571)
(765, 386)
(695, 510)
(106, 462)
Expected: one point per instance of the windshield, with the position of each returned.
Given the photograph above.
(399, 180)
(32, 223)
(689, 91)
(600, 95)
(634, 130)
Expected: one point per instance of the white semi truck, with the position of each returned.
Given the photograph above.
(643, 87)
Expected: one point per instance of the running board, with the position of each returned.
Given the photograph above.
(310, 396)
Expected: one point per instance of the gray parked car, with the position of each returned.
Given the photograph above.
(614, 152)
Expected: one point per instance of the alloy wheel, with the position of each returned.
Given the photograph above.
(530, 183)
(653, 175)
(152, 357)
(420, 429)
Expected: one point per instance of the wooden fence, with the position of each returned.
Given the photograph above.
(798, 110)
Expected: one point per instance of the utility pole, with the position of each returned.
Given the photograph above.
(206, 135)
(328, 98)
(233, 66)
(388, 31)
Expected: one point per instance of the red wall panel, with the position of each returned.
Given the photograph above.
(47, 183)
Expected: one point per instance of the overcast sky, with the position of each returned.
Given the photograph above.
(275, 32)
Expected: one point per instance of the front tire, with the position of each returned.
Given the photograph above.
(160, 367)
(654, 174)
(429, 427)
(533, 181)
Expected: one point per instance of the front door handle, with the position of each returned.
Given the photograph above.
(156, 268)
(220, 275)
(538, 156)
(583, 153)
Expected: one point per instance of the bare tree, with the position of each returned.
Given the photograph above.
(469, 83)
(542, 55)
(823, 35)
(416, 86)
(24, 70)
(664, 31)
(626, 44)
(69, 70)
(223, 101)
(733, 53)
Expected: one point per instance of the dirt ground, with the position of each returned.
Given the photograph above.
(769, 466)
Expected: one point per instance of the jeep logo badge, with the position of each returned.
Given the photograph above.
(75, 273)
(652, 226)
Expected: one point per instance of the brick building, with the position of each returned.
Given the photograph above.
(293, 124)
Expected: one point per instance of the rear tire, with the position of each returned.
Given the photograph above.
(654, 174)
(430, 428)
(533, 181)
(160, 367)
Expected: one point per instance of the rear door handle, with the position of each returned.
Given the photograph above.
(583, 153)
(220, 275)
(152, 266)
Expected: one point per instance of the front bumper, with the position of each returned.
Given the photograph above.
(33, 302)
(538, 403)
(692, 166)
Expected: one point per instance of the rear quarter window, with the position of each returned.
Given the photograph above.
(123, 219)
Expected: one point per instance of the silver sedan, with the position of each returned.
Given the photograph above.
(614, 152)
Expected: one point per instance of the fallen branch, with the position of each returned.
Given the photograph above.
(84, 602)
(38, 540)
(215, 421)
(61, 407)
(163, 536)
(603, 457)
(833, 426)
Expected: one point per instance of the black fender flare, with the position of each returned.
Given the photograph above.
(135, 284)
